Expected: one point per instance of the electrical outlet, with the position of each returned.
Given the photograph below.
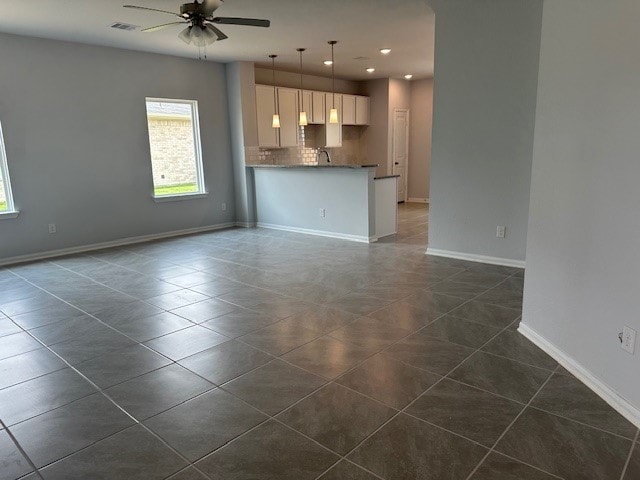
(323, 212)
(628, 339)
(501, 231)
(52, 228)
(224, 207)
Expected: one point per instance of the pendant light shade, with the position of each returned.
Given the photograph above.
(333, 113)
(303, 115)
(275, 123)
(303, 119)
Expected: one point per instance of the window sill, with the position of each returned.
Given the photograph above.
(179, 198)
(7, 215)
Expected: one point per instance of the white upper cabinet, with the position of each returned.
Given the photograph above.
(333, 131)
(288, 106)
(287, 101)
(317, 108)
(265, 105)
(362, 110)
(352, 110)
(348, 109)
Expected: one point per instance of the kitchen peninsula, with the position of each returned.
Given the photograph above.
(340, 201)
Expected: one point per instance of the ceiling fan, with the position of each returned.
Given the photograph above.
(198, 16)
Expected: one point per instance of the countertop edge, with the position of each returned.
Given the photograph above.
(386, 176)
(353, 167)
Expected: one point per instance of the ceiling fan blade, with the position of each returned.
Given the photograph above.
(250, 22)
(160, 27)
(217, 31)
(151, 9)
(211, 6)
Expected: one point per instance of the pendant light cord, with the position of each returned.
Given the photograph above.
(273, 71)
(333, 77)
(300, 99)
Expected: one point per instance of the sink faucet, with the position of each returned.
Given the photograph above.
(326, 152)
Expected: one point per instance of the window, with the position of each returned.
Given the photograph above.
(174, 140)
(6, 199)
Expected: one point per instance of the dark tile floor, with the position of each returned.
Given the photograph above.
(257, 354)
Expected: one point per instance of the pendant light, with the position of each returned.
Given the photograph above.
(333, 113)
(303, 115)
(276, 115)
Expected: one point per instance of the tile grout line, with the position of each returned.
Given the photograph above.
(22, 451)
(631, 451)
(492, 449)
(403, 410)
(174, 362)
(343, 457)
(322, 334)
(360, 363)
(108, 397)
(215, 297)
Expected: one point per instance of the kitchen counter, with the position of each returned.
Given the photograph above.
(339, 201)
(373, 165)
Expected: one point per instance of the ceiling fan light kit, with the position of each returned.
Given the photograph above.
(198, 36)
(198, 17)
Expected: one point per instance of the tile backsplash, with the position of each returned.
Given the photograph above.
(351, 152)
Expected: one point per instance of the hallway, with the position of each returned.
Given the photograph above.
(413, 225)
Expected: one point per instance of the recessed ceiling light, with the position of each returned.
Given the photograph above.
(408, 76)
(371, 70)
(385, 51)
(328, 63)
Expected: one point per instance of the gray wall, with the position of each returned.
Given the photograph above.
(76, 135)
(420, 138)
(241, 90)
(376, 136)
(581, 285)
(486, 69)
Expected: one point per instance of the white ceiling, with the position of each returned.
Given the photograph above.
(362, 28)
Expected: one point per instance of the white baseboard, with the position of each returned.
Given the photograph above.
(113, 243)
(618, 403)
(506, 262)
(246, 224)
(417, 200)
(320, 233)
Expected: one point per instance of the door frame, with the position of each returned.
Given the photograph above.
(393, 147)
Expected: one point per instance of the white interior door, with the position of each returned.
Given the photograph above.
(401, 150)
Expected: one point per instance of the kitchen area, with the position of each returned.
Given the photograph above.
(309, 171)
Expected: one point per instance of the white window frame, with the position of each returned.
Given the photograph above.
(11, 211)
(195, 122)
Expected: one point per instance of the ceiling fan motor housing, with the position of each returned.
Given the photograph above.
(195, 9)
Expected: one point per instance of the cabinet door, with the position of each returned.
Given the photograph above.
(333, 131)
(267, 135)
(307, 104)
(362, 110)
(288, 105)
(317, 108)
(348, 109)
